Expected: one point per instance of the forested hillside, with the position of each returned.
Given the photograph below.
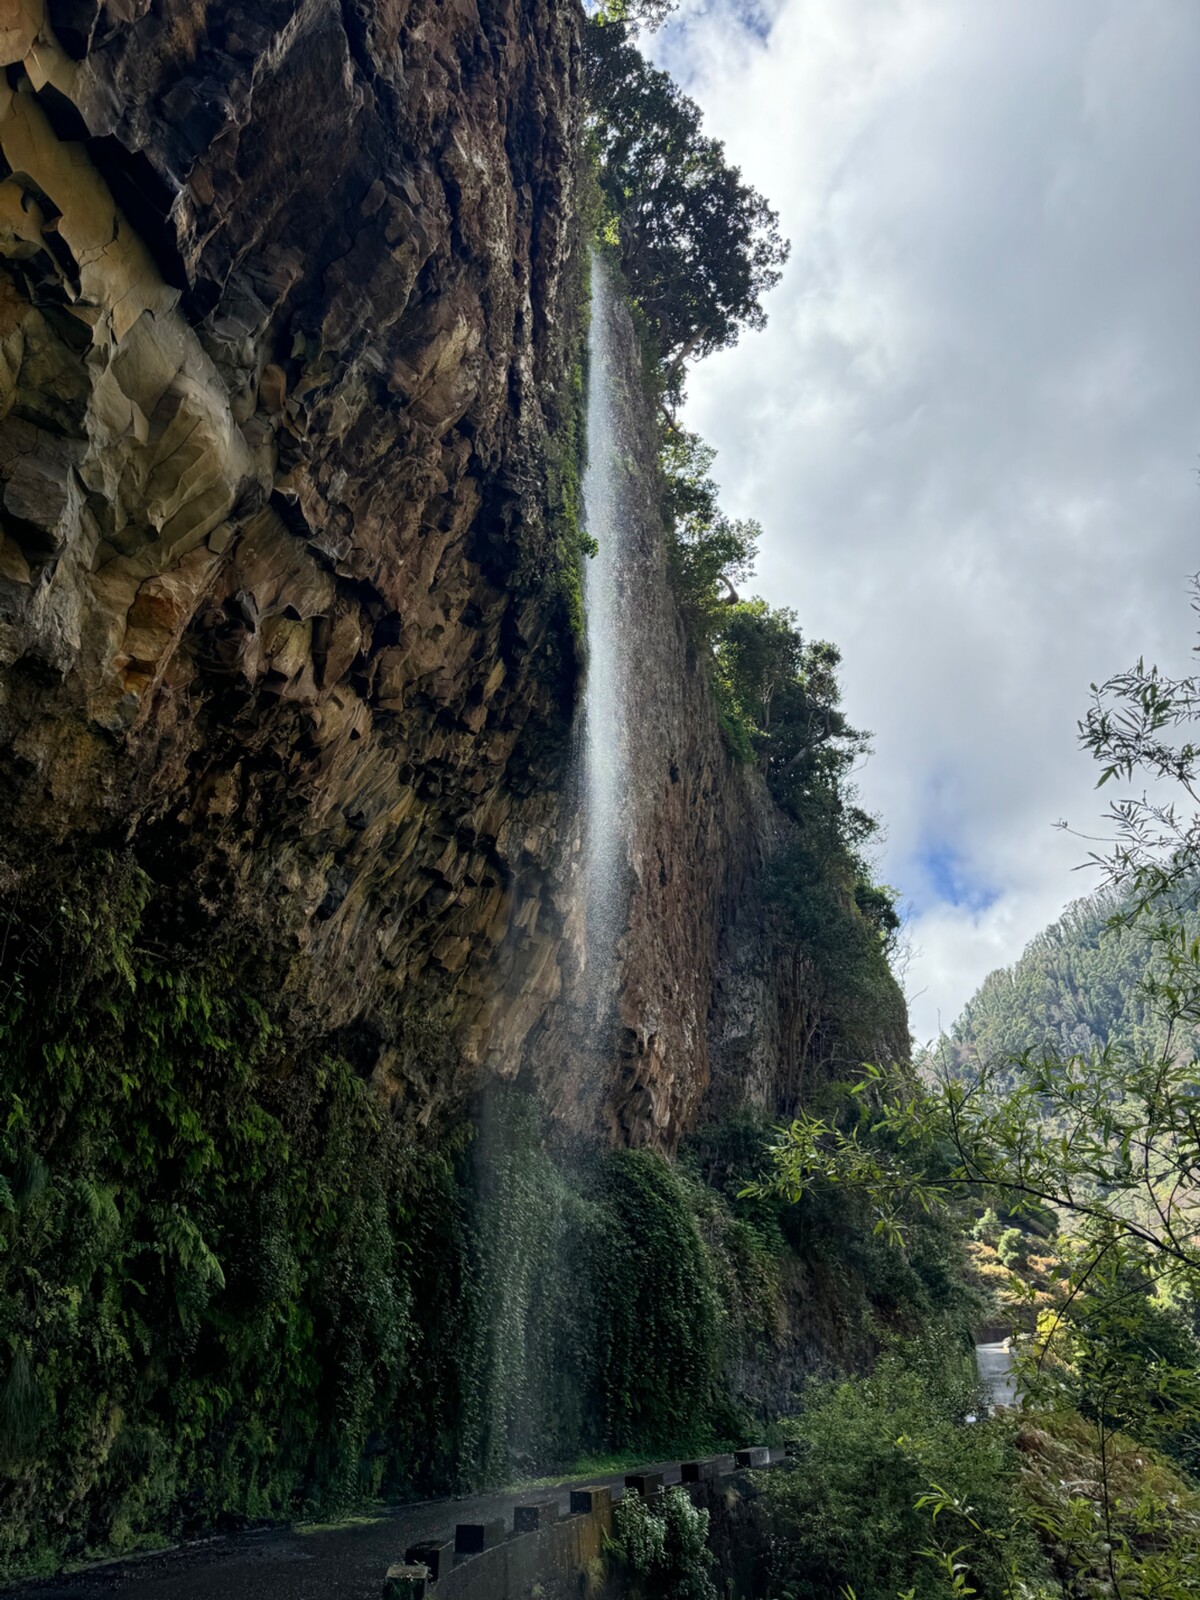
(1087, 982)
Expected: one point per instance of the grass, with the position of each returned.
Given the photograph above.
(585, 1469)
(352, 1521)
(1155, 1509)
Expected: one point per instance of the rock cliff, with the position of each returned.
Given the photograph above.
(289, 315)
(292, 314)
(288, 296)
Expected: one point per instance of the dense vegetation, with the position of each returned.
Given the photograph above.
(1068, 1095)
(698, 246)
(661, 1550)
(1083, 985)
(894, 1493)
(232, 1287)
(212, 1246)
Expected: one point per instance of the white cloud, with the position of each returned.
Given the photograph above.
(971, 429)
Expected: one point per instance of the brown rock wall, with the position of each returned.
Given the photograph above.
(289, 296)
(701, 830)
(285, 311)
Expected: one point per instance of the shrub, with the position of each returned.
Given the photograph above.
(663, 1550)
(1011, 1246)
(709, 552)
(855, 1512)
(987, 1227)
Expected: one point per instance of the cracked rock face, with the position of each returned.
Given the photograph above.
(289, 294)
(284, 301)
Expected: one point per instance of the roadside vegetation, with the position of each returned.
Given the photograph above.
(1059, 1124)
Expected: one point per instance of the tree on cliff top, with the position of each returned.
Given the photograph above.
(637, 14)
(698, 246)
(709, 551)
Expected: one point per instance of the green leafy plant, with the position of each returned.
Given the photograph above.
(893, 1492)
(662, 1548)
(1010, 1246)
(710, 552)
(987, 1226)
(698, 246)
(212, 1245)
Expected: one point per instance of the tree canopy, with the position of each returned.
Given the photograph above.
(1084, 984)
(698, 245)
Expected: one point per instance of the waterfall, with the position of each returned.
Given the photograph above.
(605, 756)
(522, 1230)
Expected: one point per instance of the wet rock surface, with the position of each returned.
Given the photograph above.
(290, 298)
(286, 307)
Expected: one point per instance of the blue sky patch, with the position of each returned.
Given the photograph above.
(940, 876)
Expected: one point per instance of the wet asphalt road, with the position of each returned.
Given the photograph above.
(348, 1563)
(283, 1564)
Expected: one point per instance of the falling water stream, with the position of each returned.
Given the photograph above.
(606, 701)
(516, 1394)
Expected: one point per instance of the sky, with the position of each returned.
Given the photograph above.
(971, 429)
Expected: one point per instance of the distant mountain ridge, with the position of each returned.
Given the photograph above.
(1078, 986)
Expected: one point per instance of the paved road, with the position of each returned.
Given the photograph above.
(284, 1564)
(995, 1364)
